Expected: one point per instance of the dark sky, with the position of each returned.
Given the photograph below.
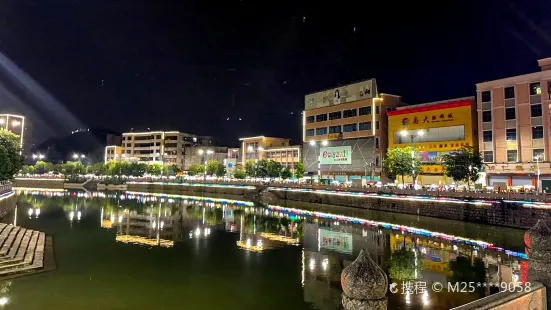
(191, 65)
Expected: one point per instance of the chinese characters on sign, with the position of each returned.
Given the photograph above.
(336, 241)
(427, 120)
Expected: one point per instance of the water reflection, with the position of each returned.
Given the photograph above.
(328, 242)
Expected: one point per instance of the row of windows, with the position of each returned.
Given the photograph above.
(509, 92)
(511, 134)
(512, 155)
(341, 114)
(510, 113)
(322, 131)
(283, 154)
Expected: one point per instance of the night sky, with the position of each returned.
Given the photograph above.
(122, 64)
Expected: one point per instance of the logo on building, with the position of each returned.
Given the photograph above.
(339, 155)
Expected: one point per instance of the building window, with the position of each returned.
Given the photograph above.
(365, 110)
(512, 156)
(335, 115)
(349, 127)
(376, 142)
(295, 153)
(488, 156)
(535, 89)
(321, 131)
(310, 119)
(321, 117)
(510, 113)
(335, 129)
(510, 92)
(350, 113)
(537, 132)
(486, 116)
(365, 126)
(487, 136)
(310, 132)
(377, 110)
(539, 153)
(377, 160)
(535, 110)
(486, 96)
(511, 134)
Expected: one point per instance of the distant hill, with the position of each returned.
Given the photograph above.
(90, 142)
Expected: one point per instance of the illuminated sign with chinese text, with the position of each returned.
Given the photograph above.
(337, 155)
(335, 241)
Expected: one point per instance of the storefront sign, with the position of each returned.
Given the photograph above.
(335, 241)
(334, 136)
(337, 155)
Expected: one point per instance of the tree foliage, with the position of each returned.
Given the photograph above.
(299, 170)
(250, 168)
(402, 265)
(399, 162)
(286, 173)
(457, 164)
(11, 160)
(196, 169)
(155, 169)
(239, 172)
(212, 166)
(220, 170)
(274, 169)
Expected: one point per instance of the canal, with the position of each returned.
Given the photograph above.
(157, 251)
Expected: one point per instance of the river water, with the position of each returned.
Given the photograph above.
(156, 251)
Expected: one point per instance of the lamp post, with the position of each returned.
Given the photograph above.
(469, 178)
(38, 156)
(537, 158)
(208, 152)
(412, 135)
(79, 157)
(314, 144)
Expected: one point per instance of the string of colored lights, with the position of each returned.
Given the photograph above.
(195, 184)
(139, 195)
(381, 196)
(402, 228)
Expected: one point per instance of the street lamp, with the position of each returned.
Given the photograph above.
(324, 143)
(469, 178)
(537, 158)
(412, 135)
(38, 156)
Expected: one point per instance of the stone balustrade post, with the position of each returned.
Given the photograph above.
(364, 285)
(538, 248)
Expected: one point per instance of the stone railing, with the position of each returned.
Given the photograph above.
(534, 197)
(5, 187)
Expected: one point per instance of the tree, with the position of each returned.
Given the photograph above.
(40, 167)
(400, 162)
(196, 169)
(299, 170)
(32, 170)
(174, 170)
(212, 166)
(457, 165)
(402, 265)
(25, 169)
(286, 173)
(262, 168)
(165, 170)
(220, 170)
(11, 160)
(273, 169)
(155, 169)
(239, 172)
(137, 169)
(250, 168)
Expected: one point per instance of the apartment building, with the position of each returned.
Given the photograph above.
(345, 131)
(113, 153)
(514, 125)
(270, 148)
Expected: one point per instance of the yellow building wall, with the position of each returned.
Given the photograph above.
(434, 116)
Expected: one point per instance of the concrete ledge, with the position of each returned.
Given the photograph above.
(112, 187)
(38, 183)
(532, 300)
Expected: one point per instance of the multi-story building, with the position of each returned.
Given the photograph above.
(345, 131)
(165, 147)
(276, 149)
(514, 125)
(434, 129)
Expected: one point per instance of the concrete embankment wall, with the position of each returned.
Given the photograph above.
(7, 205)
(188, 190)
(35, 183)
(498, 213)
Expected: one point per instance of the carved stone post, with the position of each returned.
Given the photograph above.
(538, 248)
(364, 285)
